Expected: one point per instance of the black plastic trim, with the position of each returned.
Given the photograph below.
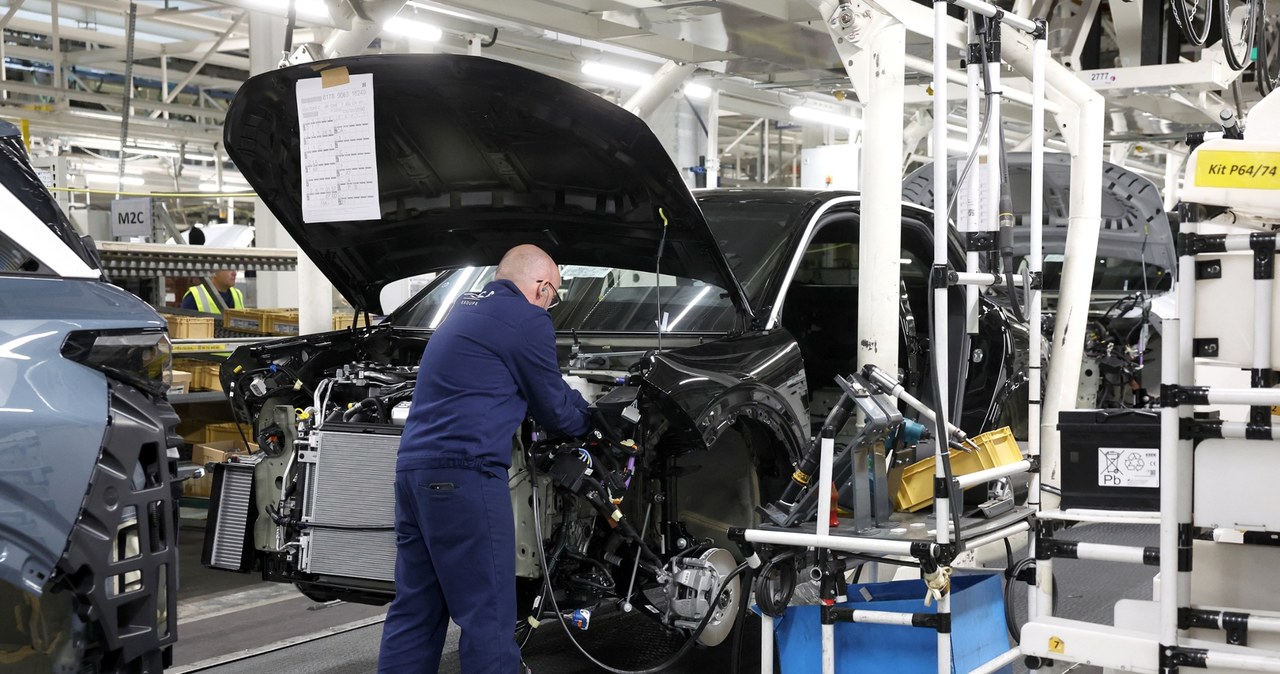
(134, 473)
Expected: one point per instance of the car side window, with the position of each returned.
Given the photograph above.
(15, 259)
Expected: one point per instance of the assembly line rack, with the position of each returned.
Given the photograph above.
(1169, 649)
(937, 552)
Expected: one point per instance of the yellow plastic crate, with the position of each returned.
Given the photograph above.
(282, 322)
(252, 321)
(996, 448)
(190, 327)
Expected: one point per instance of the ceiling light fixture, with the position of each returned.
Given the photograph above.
(610, 73)
(131, 181)
(417, 30)
(698, 92)
(824, 117)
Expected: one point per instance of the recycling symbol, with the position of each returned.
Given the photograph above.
(1133, 462)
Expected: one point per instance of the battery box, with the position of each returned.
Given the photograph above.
(1110, 459)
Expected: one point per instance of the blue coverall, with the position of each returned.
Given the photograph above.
(490, 362)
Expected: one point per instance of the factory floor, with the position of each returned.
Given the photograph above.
(233, 623)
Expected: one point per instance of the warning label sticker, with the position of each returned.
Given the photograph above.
(1128, 467)
(1248, 170)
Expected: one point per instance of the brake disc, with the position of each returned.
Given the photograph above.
(724, 608)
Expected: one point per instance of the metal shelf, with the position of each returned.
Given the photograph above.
(160, 259)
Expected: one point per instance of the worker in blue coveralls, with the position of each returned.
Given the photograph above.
(492, 361)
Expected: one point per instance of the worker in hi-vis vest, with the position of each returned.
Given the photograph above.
(224, 281)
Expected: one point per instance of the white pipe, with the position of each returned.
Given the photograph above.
(845, 543)
(1237, 429)
(827, 448)
(665, 82)
(713, 139)
(1241, 661)
(1170, 359)
(766, 644)
(1244, 396)
(1039, 51)
(1100, 516)
(998, 535)
(955, 77)
(985, 279)
(991, 11)
(1262, 291)
(941, 232)
(972, 479)
(881, 187)
(999, 662)
(1100, 552)
(883, 618)
(828, 649)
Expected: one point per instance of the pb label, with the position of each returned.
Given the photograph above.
(1247, 170)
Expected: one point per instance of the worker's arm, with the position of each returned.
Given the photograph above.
(533, 363)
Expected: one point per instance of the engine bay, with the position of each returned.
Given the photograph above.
(597, 518)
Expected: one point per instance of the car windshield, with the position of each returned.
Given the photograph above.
(596, 299)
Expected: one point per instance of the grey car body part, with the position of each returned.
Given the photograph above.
(88, 510)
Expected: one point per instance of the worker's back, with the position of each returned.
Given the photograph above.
(492, 350)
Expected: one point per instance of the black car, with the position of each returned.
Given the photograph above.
(708, 327)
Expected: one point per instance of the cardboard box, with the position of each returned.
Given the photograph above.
(212, 452)
(215, 433)
(190, 327)
(179, 382)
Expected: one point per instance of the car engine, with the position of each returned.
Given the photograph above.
(319, 499)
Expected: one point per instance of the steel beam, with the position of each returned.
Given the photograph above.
(195, 69)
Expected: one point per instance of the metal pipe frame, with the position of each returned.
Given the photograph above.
(843, 543)
(1248, 663)
(1100, 552)
(1000, 534)
(983, 278)
(922, 65)
(941, 235)
(991, 11)
(1100, 516)
(997, 663)
(974, 479)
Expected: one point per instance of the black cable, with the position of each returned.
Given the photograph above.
(739, 623)
(940, 427)
(1184, 19)
(1010, 622)
(555, 605)
(1228, 46)
(773, 601)
(288, 30)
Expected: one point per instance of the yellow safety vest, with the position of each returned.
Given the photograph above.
(205, 303)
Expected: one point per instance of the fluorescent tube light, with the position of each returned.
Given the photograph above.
(417, 30)
(824, 117)
(131, 181)
(610, 73)
(696, 91)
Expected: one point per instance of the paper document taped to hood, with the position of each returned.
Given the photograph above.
(339, 157)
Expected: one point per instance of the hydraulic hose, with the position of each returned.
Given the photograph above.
(836, 420)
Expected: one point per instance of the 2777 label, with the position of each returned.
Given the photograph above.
(1230, 168)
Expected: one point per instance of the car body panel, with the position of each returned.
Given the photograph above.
(487, 165)
(88, 507)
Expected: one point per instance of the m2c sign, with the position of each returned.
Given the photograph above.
(131, 217)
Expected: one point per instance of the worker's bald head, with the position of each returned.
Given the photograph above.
(529, 267)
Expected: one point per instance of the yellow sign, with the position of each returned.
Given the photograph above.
(1057, 645)
(1230, 168)
(203, 347)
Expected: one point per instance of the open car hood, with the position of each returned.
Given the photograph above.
(475, 156)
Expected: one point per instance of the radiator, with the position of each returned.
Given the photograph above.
(228, 531)
(350, 505)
